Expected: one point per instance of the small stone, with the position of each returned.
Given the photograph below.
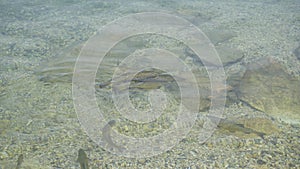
(3, 155)
(210, 145)
(125, 128)
(261, 162)
(142, 161)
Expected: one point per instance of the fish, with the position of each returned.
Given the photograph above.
(20, 161)
(141, 78)
(233, 127)
(107, 137)
(82, 159)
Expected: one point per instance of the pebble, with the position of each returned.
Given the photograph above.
(229, 152)
(261, 162)
(3, 155)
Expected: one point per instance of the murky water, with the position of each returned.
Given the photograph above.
(257, 43)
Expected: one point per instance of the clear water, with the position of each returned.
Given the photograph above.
(257, 42)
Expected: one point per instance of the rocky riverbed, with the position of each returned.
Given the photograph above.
(258, 43)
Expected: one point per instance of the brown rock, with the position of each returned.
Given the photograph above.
(267, 87)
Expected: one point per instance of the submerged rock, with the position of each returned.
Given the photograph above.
(221, 38)
(267, 87)
(228, 54)
(195, 16)
(60, 68)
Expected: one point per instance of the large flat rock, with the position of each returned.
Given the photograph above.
(221, 38)
(267, 87)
